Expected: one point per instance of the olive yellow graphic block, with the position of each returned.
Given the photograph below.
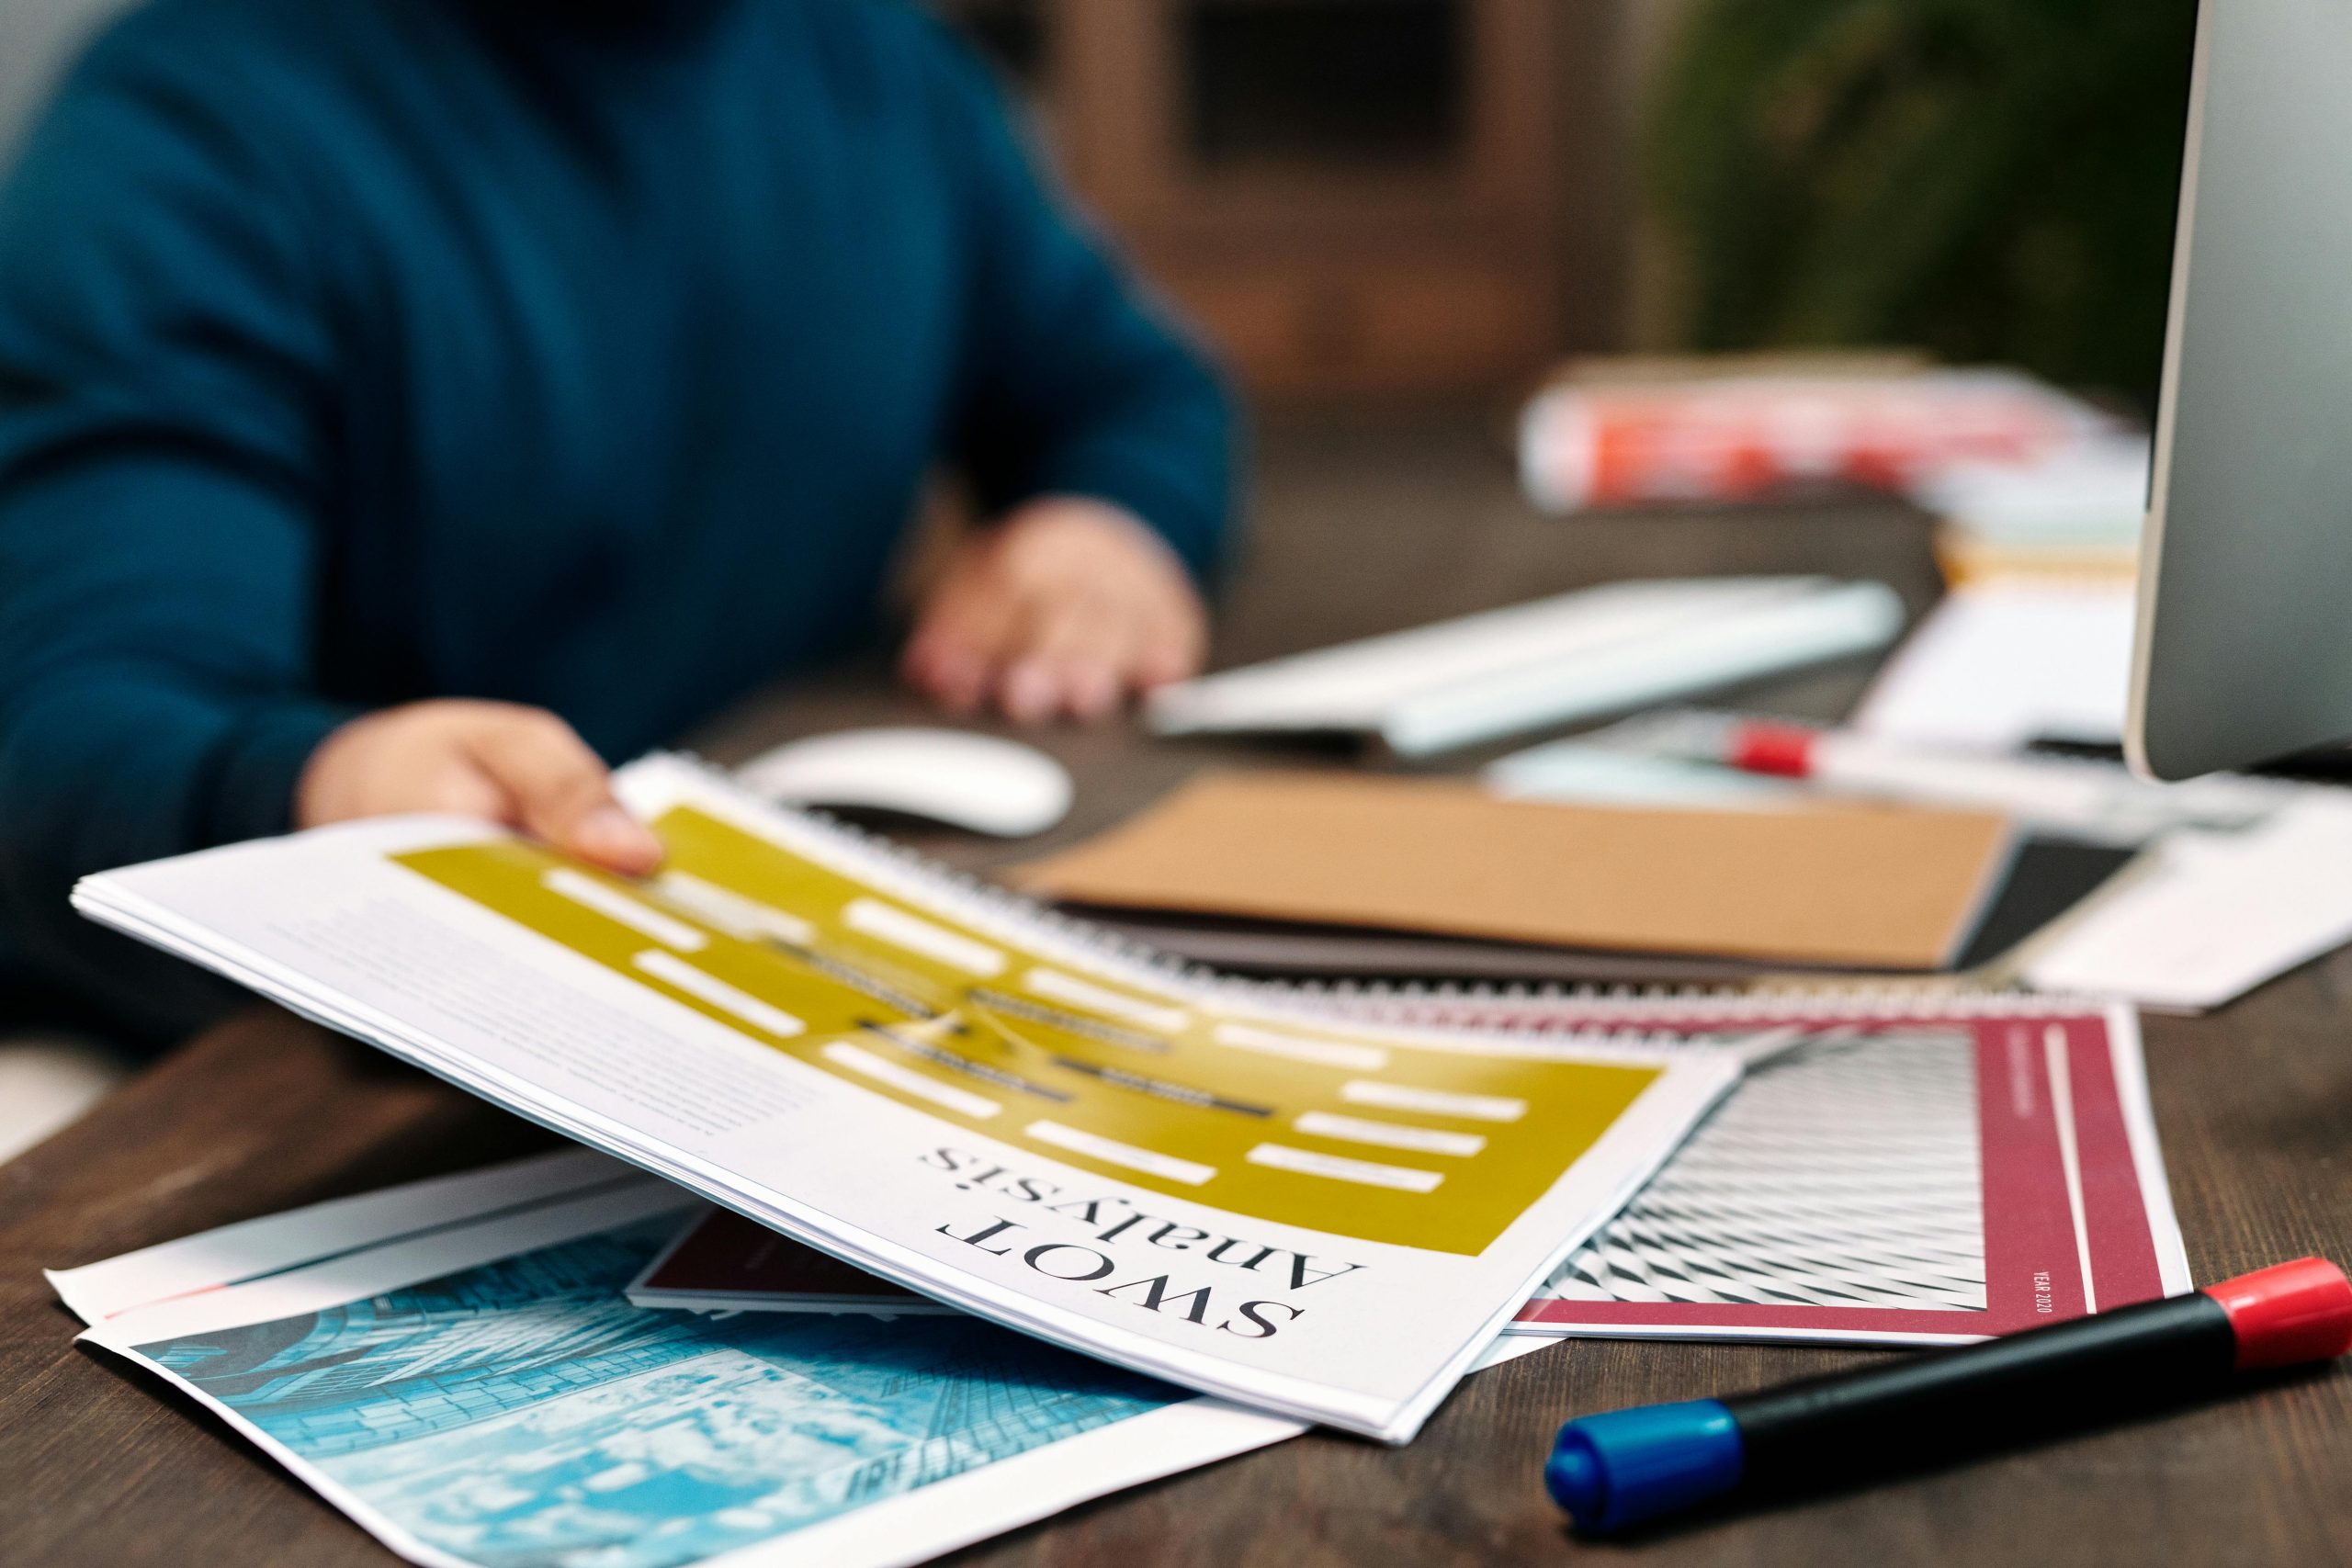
(1338, 1130)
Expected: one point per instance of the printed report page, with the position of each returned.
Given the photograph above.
(1322, 1218)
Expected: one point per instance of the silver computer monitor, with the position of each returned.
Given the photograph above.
(2244, 646)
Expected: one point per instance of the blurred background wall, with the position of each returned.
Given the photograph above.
(1376, 198)
(1990, 179)
(1354, 196)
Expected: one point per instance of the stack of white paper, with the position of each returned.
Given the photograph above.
(2210, 916)
(2000, 664)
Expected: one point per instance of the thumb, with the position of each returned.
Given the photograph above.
(561, 792)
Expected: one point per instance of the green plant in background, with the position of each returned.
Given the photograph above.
(1990, 179)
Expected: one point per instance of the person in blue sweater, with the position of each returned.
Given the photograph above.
(419, 404)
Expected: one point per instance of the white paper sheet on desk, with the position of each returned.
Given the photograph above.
(252, 1249)
(2006, 662)
(2215, 915)
(484, 1393)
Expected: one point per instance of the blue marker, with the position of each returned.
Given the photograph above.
(1630, 1466)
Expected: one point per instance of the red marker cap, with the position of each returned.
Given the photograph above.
(1782, 749)
(2288, 1314)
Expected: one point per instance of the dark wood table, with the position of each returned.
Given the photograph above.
(1364, 525)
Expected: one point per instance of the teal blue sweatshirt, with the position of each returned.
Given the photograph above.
(587, 355)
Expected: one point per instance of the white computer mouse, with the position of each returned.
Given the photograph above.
(976, 781)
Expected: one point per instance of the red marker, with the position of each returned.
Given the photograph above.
(2088, 799)
(1621, 1468)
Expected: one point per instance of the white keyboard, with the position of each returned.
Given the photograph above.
(1551, 661)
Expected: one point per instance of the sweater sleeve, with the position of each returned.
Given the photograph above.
(1076, 381)
(159, 361)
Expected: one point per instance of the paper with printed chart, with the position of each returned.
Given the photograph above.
(465, 1379)
(940, 1084)
(1885, 1173)
(1891, 1170)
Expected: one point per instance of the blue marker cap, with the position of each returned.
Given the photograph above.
(1627, 1466)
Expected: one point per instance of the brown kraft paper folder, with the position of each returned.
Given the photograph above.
(1877, 887)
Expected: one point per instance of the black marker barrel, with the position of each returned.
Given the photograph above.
(1847, 1428)
(1628, 1466)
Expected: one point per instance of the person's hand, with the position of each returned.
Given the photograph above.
(1067, 607)
(520, 766)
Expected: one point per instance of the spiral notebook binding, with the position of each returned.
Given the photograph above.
(1484, 1005)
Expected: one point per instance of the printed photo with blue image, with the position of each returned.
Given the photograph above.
(524, 1415)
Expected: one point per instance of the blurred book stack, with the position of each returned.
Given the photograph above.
(1611, 433)
(2075, 513)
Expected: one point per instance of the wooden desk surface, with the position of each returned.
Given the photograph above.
(1363, 526)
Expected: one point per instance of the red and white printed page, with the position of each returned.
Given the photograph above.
(1886, 1173)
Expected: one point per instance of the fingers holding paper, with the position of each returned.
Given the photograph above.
(520, 766)
(1065, 610)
